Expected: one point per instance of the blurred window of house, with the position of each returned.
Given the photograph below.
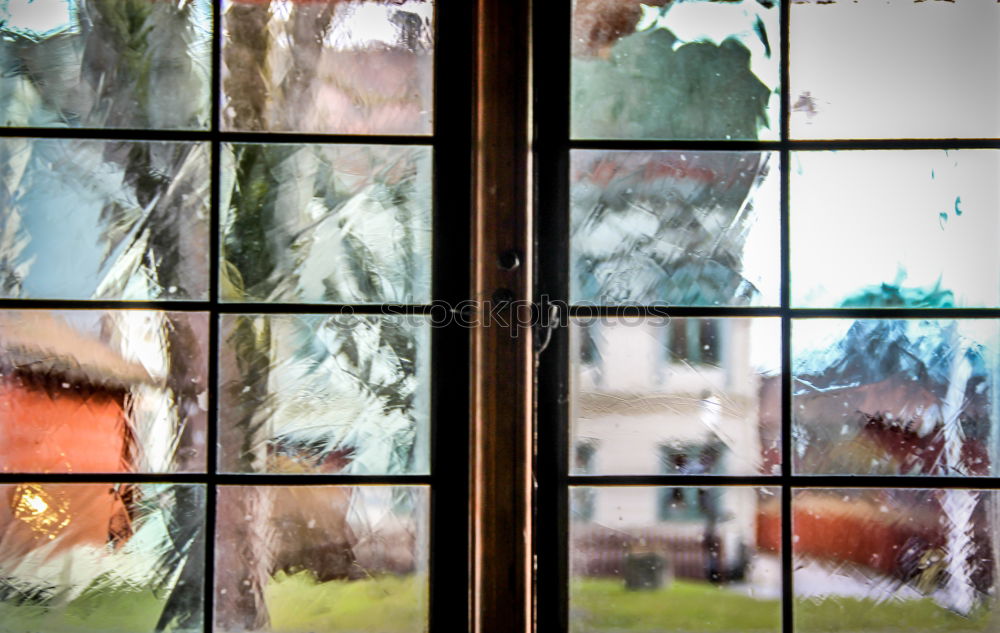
(583, 498)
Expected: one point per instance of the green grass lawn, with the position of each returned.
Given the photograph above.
(298, 604)
(864, 616)
(389, 604)
(604, 606)
(118, 612)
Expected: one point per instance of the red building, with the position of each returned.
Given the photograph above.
(64, 408)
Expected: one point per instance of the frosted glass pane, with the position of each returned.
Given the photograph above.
(894, 561)
(676, 396)
(324, 394)
(324, 559)
(895, 69)
(700, 69)
(678, 559)
(897, 229)
(102, 557)
(895, 396)
(102, 391)
(87, 219)
(326, 223)
(674, 228)
(140, 64)
(333, 66)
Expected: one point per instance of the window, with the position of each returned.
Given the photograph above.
(571, 316)
(583, 499)
(688, 503)
(767, 309)
(224, 402)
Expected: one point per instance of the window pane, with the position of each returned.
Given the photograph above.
(328, 559)
(141, 64)
(674, 228)
(102, 391)
(895, 69)
(676, 396)
(88, 219)
(324, 394)
(909, 229)
(702, 69)
(889, 561)
(326, 223)
(127, 558)
(895, 396)
(349, 67)
(676, 559)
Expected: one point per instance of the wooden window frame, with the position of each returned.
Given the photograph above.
(499, 476)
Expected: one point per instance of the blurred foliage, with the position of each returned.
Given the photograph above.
(650, 88)
(249, 261)
(895, 295)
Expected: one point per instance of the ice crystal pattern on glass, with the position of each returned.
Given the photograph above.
(324, 394)
(678, 396)
(86, 219)
(703, 69)
(102, 391)
(895, 560)
(334, 66)
(679, 559)
(675, 228)
(326, 223)
(138, 64)
(127, 558)
(894, 397)
(330, 559)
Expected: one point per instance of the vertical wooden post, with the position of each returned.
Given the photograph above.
(502, 362)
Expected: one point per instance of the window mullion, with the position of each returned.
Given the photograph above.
(502, 362)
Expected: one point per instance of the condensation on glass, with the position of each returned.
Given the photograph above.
(326, 223)
(327, 66)
(892, 561)
(81, 557)
(681, 559)
(895, 229)
(895, 396)
(675, 396)
(137, 64)
(329, 559)
(103, 391)
(324, 394)
(702, 69)
(90, 219)
(674, 228)
(894, 69)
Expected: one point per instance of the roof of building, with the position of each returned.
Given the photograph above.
(41, 344)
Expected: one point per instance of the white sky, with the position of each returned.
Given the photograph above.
(858, 218)
(896, 69)
(359, 24)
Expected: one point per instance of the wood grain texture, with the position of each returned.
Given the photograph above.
(502, 360)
